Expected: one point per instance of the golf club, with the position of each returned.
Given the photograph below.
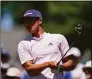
(79, 30)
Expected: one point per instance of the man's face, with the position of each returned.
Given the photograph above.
(32, 25)
(88, 72)
(88, 75)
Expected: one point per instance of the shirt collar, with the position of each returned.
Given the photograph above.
(41, 36)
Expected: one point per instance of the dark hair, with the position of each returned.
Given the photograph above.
(88, 69)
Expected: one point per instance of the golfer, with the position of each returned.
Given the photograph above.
(40, 53)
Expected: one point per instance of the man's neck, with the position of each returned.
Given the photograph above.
(39, 33)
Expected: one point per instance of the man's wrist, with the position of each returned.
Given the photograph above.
(47, 64)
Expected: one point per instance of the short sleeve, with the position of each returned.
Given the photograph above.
(24, 54)
(64, 46)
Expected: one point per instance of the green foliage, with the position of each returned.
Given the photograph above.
(58, 16)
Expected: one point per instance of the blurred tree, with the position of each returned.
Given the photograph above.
(58, 16)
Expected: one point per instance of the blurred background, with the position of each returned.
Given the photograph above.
(58, 17)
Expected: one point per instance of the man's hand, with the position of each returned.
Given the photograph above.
(52, 64)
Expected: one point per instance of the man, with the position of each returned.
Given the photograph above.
(5, 64)
(40, 53)
(12, 73)
(88, 69)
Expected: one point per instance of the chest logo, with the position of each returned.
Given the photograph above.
(50, 44)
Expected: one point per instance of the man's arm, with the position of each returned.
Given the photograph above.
(69, 63)
(26, 61)
(35, 69)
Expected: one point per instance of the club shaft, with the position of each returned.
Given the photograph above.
(69, 49)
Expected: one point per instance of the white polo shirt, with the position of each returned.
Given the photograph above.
(49, 47)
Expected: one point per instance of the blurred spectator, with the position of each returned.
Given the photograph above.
(77, 73)
(5, 57)
(86, 55)
(12, 73)
(7, 21)
(88, 69)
